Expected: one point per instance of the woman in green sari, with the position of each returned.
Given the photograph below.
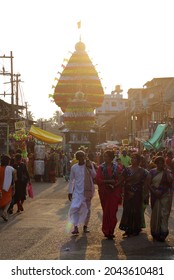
(161, 199)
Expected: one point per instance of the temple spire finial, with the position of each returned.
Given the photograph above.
(79, 27)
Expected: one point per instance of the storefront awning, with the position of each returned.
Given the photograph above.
(156, 141)
(44, 135)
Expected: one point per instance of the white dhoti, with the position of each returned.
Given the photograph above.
(78, 210)
(81, 187)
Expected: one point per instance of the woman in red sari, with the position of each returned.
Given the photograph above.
(109, 194)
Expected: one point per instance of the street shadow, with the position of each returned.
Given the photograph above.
(142, 247)
(108, 250)
(99, 215)
(63, 211)
(40, 187)
(59, 185)
(74, 249)
(12, 220)
(136, 247)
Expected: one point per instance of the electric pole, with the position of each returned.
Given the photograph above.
(17, 80)
(4, 73)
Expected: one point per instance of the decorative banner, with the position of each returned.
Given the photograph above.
(79, 75)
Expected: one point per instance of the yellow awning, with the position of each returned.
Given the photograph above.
(44, 135)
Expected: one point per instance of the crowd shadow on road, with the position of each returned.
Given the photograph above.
(12, 221)
(63, 211)
(39, 187)
(143, 247)
(109, 250)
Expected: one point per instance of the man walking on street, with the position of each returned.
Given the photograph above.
(81, 191)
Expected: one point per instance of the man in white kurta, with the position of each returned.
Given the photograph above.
(79, 211)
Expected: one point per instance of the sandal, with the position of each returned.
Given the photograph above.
(85, 229)
(75, 231)
(21, 207)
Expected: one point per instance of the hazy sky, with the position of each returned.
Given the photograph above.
(131, 41)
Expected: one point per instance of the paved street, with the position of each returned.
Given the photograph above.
(41, 232)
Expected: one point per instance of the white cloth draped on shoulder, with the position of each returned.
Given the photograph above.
(8, 178)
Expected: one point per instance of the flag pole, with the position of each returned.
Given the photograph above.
(79, 27)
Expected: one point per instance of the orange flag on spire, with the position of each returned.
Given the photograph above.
(79, 24)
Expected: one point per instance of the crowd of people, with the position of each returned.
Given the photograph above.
(127, 177)
(124, 177)
(56, 164)
(14, 178)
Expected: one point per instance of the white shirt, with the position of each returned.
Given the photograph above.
(77, 176)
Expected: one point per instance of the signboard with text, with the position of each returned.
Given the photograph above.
(20, 125)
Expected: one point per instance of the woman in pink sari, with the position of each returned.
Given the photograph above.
(109, 193)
